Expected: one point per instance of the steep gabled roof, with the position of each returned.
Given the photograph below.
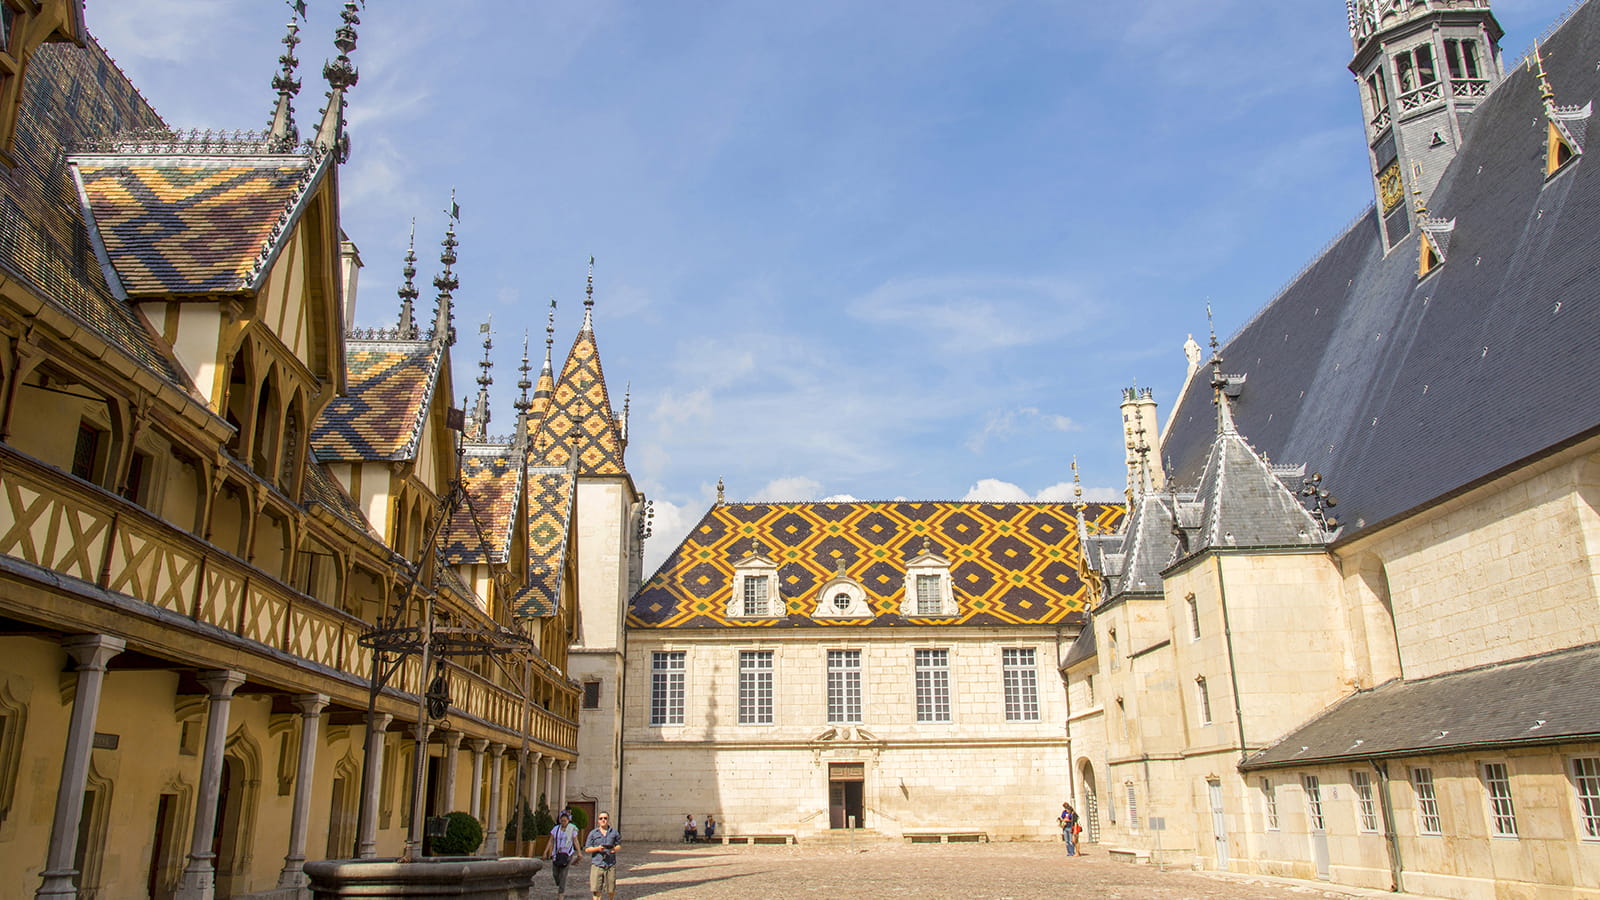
(321, 487)
(1011, 563)
(579, 418)
(1400, 391)
(391, 385)
(1148, 546)
(1244, 502)
(480, 529)
(552, 490)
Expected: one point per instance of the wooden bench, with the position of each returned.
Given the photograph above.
(756, 838)
(940, 836)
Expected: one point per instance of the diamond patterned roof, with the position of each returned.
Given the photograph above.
(184, 227)
(480, 530)
(551, 492)
(1010, 563)
(390, 384)
(580, 408)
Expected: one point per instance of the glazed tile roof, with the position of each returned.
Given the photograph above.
(551, 493)
(186, 226)
(480, 530)
(390, 384)
(580, 407)
(1011, 563)
(322, 487)
(70, 95)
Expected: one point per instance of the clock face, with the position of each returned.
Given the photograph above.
(1391, 189)
(841, 601)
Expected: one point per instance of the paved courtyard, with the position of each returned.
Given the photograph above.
(1002, 871)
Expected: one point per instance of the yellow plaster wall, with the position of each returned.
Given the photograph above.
(195, 342)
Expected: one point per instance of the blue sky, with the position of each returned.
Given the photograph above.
(868, 249)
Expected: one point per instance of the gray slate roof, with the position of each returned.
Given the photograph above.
(1083, 647)
(1541, 700)
(1245, 502)
(1401, 391)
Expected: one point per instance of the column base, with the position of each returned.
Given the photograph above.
(293, 874)
(58, 884)
(199, 882)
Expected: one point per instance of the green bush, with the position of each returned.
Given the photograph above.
(463, 834)
(522, 826)
(542, 820)
(580, 821)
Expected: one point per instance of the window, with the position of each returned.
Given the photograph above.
(666, 687)
(1269, 794)
(1021, 684)
(928, 600)
(1378, 94)
(1133, 808)
(1462, 58)
(1204, 694)
(844, 686)
(1586, 778)
(933, 685)
(1313, 786)
(1088, 684)
(1413, 68)
(87, 451)
(1194, 617)
(591, 695)
(1502, 815)
(1361, 782)
(755, 595)
(1427, 803)
(755, 687)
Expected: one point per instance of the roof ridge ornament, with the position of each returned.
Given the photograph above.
(283, 133)
(1219, 381)
(408, 291)
(480, 410)
(444, 314)
(1569, 125)
(588, 299)
(523, 404)
(341, 75)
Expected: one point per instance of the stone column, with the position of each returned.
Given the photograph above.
(475, 803)
(491, 844)
(547, 785)
(566, 770)
(311, 707)
(530, 784)
(199, 876)
(447, 790)
(419, 791)
(372, 785)
(91, 653)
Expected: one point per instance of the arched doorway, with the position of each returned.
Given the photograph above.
(1089, 803)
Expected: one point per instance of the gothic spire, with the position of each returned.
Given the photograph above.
(480, 410)
(627, 402)
(341, 75)
(446, 281)
(523, 403)
(408, 291)
(1219, 381)
(283, 133)
(588, 300)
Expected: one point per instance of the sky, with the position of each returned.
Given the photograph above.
(868, 249)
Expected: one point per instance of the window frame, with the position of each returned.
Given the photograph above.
(1366, 808)
(1495, 775)
(756, 565)
(668, 687)
(1194, 617)
(757, 680)
(1427, 801)
(591, 694)
(1316, 817)
(1203, 692)
(931, 668)
(843, 697)
(1019, 683)
(1269, 796)
(1588, 801)
(753, 606)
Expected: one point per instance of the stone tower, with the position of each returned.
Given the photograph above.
(1423, 66)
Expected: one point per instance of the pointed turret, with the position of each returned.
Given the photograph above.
(341, 75)
(480, 409)
(408, 292)
(1568, 125)
(444, 330)
(283, 133)
(580, 422)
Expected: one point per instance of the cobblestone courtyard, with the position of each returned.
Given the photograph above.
(1004, 871)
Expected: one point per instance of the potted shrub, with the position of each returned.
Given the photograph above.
(520, 828)
(542, 823)
(462, 836)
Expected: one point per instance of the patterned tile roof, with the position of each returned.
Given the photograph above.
(390, 384)
(551, 493)
(1010, 563)
(187, 226)
(322, 487)
(70, 95)
(580, 407)
(480, 530)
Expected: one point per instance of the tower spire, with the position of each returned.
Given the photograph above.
(341, 75)
(446, 281)
(588, 300)
(627, 401)
(408, 291)
(1219, 381)
(283, 133)
(523, 403)
(480, 410)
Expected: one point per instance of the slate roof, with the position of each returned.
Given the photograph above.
(1083, 648)
(71, 95)
(552, 491)
(1244, 501)
(1011, 563)
(188, 226)
(580, 407)
(1542, 700)
(1146, 547)
(1400, 392)
(380, 417)
(480, 530)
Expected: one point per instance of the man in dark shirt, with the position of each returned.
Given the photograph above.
(601, 845)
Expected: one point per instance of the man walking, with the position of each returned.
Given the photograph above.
(601, 845)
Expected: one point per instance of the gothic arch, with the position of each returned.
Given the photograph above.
(96, 822)
(236, 820)
(1088, 801)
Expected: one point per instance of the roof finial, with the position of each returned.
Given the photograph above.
(341, 76)
(523, 404)
(721, 496)
(588, 299)
(549, 333)
(408, 291)
(1077, 485)
(446, 281)
(627, 401)
(480, 412)
(1219, 381)
(1416, 191)
(283, 132)
(1546, 92)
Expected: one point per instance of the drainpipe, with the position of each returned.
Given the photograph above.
(1391, 840)
(1233, 670)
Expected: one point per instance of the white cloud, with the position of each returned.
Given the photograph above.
(840, 498)
(993, 490)
(973, 313)
(996, 491)
(1006, 422)
(792, 488)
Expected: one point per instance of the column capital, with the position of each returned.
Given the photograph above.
(497, 750)
(568, 763)
(93, 651)
(478, 745)
(220, 683)
(310, 704)
(452, 739)
(423, 730)
(379, 721)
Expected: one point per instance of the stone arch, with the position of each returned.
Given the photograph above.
(236, 814)
(344, 796)
(1088, 801)
(236, 406)
(169, 851)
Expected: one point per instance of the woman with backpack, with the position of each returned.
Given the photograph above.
(563, 848)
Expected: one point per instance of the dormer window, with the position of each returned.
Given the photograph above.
(928, 592)
(755, 592)
(842, 597)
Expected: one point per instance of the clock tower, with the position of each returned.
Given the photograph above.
(1423, 66)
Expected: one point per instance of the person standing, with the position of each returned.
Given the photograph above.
(1069, 828)
(563, 848)
(602, 845)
